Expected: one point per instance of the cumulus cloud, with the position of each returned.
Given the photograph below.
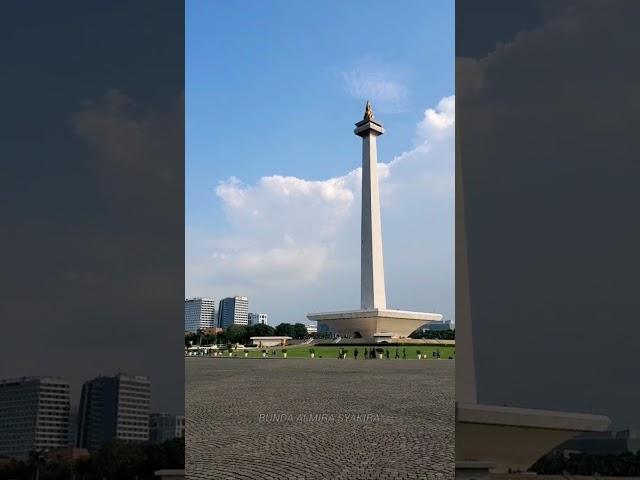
(438, 122)
(285, 233)
(286, 265)
(278, 203)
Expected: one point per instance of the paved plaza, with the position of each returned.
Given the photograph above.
(319, 419)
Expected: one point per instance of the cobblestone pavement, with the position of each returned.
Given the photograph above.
(307, 419)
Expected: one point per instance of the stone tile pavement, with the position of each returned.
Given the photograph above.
(286, 419)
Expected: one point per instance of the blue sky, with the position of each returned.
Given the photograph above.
(274, 88)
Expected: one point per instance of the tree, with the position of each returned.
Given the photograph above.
(169, 454)
(116, 460)
(299, 331)
(120, 459)
(285, 329)
(236, 333)
(262, 330)
(35, 462)
(434, 334)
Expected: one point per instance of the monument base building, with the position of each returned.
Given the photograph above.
(374, 322)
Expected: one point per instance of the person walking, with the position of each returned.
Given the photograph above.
(397, 353)
(404, 354)
(355, 353)
(386, 351)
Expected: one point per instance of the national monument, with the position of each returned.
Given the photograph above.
(373, 319)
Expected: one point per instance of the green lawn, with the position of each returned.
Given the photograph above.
(332, 352)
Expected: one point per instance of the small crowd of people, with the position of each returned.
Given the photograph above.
(271, 353)
(371, 353)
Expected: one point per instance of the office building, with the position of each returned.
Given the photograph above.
(233, 311)
(114, 408)
(34, 415)
(165, 426)
(312, 329)
(199, 313)
(256, 318)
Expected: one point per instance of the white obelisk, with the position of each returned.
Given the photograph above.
(372, 293)
(373, 320)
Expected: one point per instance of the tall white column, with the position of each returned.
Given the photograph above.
(372, 291)
(465, 362)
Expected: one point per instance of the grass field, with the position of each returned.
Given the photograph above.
(332, 352)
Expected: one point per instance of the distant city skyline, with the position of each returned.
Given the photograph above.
(201, 313)
(37, 413)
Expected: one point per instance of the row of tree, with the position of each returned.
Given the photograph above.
(242, 334)
(435, 334)
(114, 461)
(556, 463)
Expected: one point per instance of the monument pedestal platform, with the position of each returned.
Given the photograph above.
(376, 322)
(513, 439)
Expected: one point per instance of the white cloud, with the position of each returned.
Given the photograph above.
(282, 204)
(287, 265)
(299, 236)
(369, 79)
(438, 122)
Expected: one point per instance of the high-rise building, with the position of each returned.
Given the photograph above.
(34, 415)
(165, 426)
(199, 313)
(114, 408)
(256, 318)
(233, 311)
